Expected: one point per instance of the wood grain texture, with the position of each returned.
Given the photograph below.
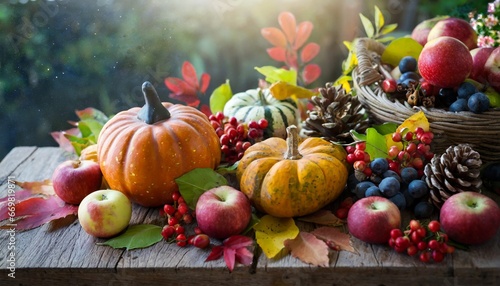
(61, 253)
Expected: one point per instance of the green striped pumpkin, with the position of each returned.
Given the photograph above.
(255, 104)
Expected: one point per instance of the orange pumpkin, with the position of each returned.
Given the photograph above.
(142, 151)
(292, 178)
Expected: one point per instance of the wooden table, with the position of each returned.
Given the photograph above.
(63, 254)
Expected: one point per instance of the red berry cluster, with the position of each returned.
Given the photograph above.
(178, 214)
(235, 137)
(416, 151)
(428, 243)
(358, 158)
(344, 208)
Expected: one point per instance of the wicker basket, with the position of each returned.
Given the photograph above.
(481, 131)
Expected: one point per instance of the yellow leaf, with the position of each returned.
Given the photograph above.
(413, 122)
(274, 74)
(350, 63)
(400, 48)
(389, 28)
(367, 24)
(345, 82)
(283, 90)
(271, 233)
(348, 45)
(379, 19)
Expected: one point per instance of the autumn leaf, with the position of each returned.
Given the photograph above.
(283, 90)
(234, 249)
(271, 232)
(322, 217)
(33, 206)
(413, 122)
(309, 249)
(337, 237)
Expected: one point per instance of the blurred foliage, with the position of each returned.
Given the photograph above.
(456, 8)
(57, 56)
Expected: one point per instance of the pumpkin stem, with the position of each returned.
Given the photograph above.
(262, 98)
(153, 111)
(292, 143)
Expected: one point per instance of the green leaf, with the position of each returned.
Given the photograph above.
(379, 19)
(136, 236)
(220, 96)
(385, 39)
(376, 144)
(92, 113)
(227, 169)
(389, 28)
(367, 24)
(386, 128)
(90, 128)
(400, 48)
(196, 182)
(358, 136)
(274, 74)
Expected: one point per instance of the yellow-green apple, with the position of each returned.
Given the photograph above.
(456, 28)
(371, 219)
(73, 180)
(492, 69)
(222, 212)
(479, 57)
(105, 213)
(421, 31)
(445, 62)
(470, 217)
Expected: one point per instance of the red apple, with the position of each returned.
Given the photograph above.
(73, 180)
(222, 212)
(421, 31)
(470, 217)
(105, 213)
(371, 219)
(456, 28)
(445, 62)
(492, 69)
(479, 57)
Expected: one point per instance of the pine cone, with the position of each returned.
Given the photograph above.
(457, 170)
(335, 114)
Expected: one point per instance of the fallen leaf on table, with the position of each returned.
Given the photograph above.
(136, 236)
(271, 232)
(323, 217)
(343, 240)
(33, 206)
(233, 249)
(309, 249)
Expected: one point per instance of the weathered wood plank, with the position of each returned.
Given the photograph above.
(62, 253)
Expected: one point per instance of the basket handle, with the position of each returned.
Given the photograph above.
(368, 52)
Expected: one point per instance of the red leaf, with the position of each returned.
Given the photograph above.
(309, 249)
(288, 25)
(303, 32)
(237, 241)
(311, 73)
(234, 249)
(277, 53)
(64, 142)
(190, 100)
(206, 110)
(244, 256)
(174, 84)
(275, 36)
(217, 252)
(189, 74)
(309, 52)
(230, 257)
(205, 81)
(35, 211)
